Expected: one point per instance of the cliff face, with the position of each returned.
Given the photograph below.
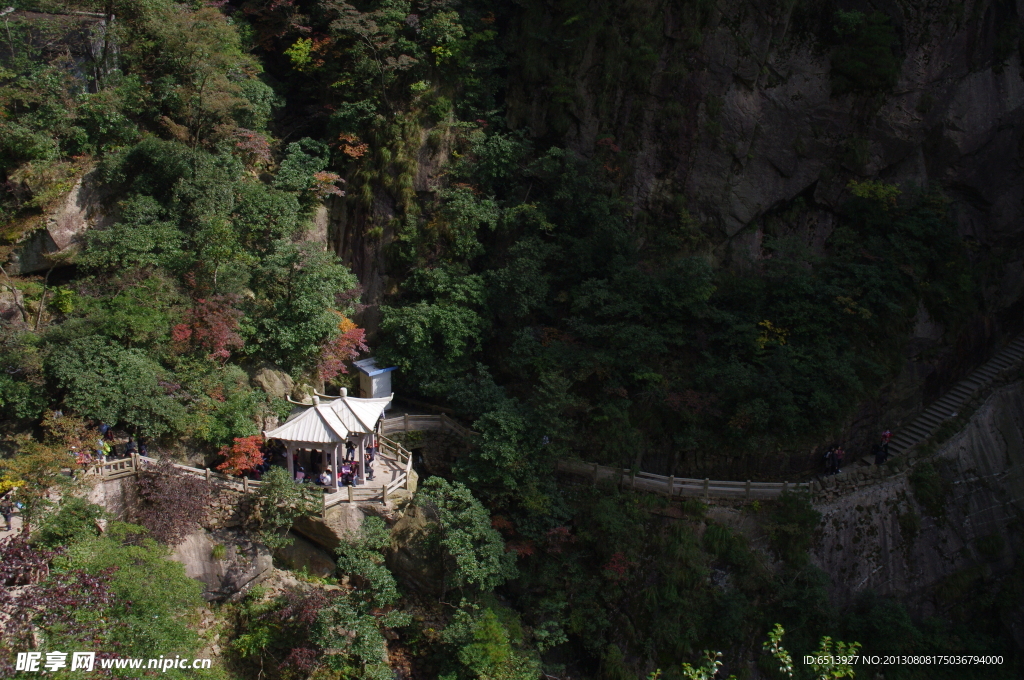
(735, 117)
(882, 537)
(734, 107)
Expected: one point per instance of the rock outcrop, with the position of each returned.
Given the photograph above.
(342, 520)
(410, 559)
(272, 380)
(883, 538)
(224, 560)
(62, 231)
(303, 554)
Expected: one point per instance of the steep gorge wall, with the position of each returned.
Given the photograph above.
(881, 538)
(723, 118)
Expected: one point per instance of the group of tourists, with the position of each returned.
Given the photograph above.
(835, 455)
(106, 448)
(348, 470)
(834, 458)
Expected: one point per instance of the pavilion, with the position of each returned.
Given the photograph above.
(326, 424)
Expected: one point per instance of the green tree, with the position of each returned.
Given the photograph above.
(154, 596)
(298, 289)
(34, 471)
(116, 385)
(362, 556)
(277, 503)
(488, 647)
(471, 551)
(141, 238)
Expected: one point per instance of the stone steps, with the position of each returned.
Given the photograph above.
(949, 404)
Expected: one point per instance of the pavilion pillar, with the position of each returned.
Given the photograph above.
(362, 459)
(290, 456)
(335, 468)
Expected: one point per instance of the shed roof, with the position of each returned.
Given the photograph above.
(332, 421)
(369, 367)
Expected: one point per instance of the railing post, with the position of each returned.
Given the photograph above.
(325, 505)
(207, 475)
(785, 487)
(349, 493)
(405, 422)
(245, 484)
(748, 488)
(671, 486)
(595, 473)
(444, 423)
(707, 485)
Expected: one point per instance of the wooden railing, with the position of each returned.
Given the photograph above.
(680, 486)
(388, 449)
(411, 423)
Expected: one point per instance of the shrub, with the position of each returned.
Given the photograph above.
(152, 594)
(930, 489)
(791, 527)
(277, 503)
(172, 503)
(76, 519)
(865, 60)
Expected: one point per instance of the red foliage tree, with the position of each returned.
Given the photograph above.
(212, 324)
(242, 456)
(253, 147)
(172, 503)
(326, 184)
(347, 346)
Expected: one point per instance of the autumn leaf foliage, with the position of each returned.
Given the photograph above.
(346, 347)
(172, 503)
(242, 456)
(211, 324)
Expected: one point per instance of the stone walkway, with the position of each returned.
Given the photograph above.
(15, 525)
(949, 405)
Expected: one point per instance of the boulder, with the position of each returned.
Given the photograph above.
(410, 559)
(327, 532)
(63, 229)
(303, 554)
(272, 380)
(244, 563)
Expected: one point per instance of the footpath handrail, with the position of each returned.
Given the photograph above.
(681, 486)
(413, 423)
(388, 448)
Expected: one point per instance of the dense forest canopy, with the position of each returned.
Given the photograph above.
(518, 281)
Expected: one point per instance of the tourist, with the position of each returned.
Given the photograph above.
(7, 509)
(143, 447)
(346, 474)
(879, 453)
(829, 456)
(300, 475)
(325, 476)
(840, 455)
(886, 436)
(84, 459)
(131, 447)
(350, 451)
(369, 463)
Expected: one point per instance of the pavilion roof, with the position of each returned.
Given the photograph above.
(331, 421)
